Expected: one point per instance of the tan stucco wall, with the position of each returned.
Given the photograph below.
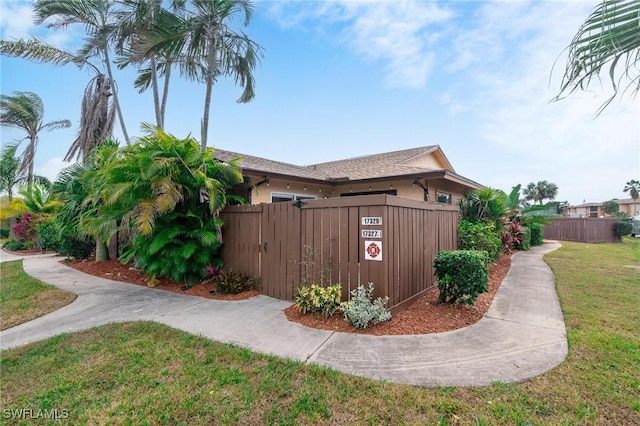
(404, 189)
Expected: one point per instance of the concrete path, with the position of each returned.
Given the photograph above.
(521, 336)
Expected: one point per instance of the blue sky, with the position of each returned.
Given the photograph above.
(347, 78)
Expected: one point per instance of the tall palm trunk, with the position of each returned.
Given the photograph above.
(156, 96)
(116, 100)
(165, 90)
(211, 66)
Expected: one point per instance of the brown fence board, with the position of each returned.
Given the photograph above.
(586, 230)
(270, 239)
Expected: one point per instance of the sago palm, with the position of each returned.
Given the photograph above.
(25, 111)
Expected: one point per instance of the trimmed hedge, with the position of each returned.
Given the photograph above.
(462, 275)
(526, 241)
(5, 232)
(536, 234)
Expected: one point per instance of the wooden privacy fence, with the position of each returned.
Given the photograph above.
(584, 230)
(382, 239)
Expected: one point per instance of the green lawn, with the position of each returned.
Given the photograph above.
(23, 298)
(145, 373)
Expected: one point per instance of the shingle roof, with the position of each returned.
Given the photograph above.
(386, 164)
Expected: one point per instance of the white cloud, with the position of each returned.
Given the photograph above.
(16, 20)
(399, 34)
(51, 168)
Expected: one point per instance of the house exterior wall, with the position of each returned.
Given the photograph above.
(595, 209)
(264, 192)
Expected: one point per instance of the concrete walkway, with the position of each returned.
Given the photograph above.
(521, 336)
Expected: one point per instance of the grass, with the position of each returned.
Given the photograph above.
(146, 373)
(23, 298)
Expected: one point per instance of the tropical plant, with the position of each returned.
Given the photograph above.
(540, 191)
(610, 207)
(316, 299)
(25, 111)
(484, 205)
(622, 228)
(137, 19)
(166, 194)
(97, 109)
(633, 188)
(608, 38)
(10, 175)
(231, 282)
(99, 18)
(201, 34)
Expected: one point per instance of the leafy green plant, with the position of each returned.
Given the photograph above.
(230, 282)
(362, 310)
(49, 235)
(622, 228)
(536, 234)
(462, 275)
(525, 244)
(74, 247)
(479, 236)
(166, 195)
(484, 205)
(5, 232)
(318, 299)
(14, 245)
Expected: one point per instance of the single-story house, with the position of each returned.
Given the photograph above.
(422, 173)
(627, 206)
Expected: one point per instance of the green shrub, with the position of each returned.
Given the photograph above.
(49, 236)
(72, 246)
(181, 246)
(5, 232)
(317, 299)
(479, 236)
(230, 282)
(362, 311)
(15, 245)
(536, 233)
(526, 241)
(462, 275)
(620, 229)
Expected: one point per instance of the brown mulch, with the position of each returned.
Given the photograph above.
(422, 317)
(115, 270)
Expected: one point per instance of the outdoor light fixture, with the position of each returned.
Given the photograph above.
(299, 204)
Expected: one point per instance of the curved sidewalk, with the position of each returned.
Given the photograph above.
(521, 336)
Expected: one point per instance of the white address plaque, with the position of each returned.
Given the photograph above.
(371, 233)
(372, 220)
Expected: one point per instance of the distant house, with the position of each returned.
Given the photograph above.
(422, 173)
(595, 209)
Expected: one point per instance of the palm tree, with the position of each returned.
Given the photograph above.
(97, 110)
(538, 192)
(9, 172)
(25, 110)
(99, 18)
(608, 38)
(633, 188)
(137, 18)
(211, 49)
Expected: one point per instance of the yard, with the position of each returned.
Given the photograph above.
(146, 373)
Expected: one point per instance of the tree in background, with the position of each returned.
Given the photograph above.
(610, 207)
(99, 18)
(97, 113)
(25, 110)
(538, 192)
(633, 188)
(201, 35)
(610, 37)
